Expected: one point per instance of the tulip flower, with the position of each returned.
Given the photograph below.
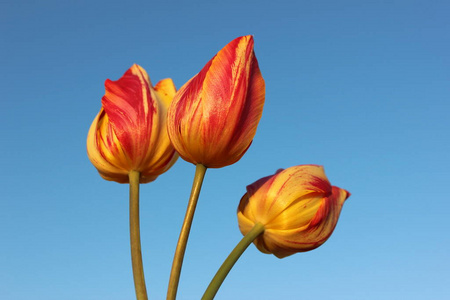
(212, 121)
(294, 210)
(213, 117)
(129, 133)
(297, 207)
(128, 143)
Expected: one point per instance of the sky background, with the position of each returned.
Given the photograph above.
(361, 87)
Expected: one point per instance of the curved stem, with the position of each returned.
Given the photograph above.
(135, 238)
(225, 268)
(200, 171)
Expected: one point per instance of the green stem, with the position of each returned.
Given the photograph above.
(223, 271)
(200, 171)
(135, 238)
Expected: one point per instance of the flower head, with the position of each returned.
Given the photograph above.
(298, 208)
(213, 117)
(129, 133)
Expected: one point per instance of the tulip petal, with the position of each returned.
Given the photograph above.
(233, 99)
(245, 222)
(160, 154)
(252, 110)
(314, 234)
(165, 90)
(297, 214)
(287, 187)
(104, 151)
(130, 106)
(184, 118)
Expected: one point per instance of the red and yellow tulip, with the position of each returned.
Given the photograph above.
(213, 117)
(298, 208)
(130, 132)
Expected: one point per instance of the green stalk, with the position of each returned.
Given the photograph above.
(135, 238)
(200, 171)
(223, 271)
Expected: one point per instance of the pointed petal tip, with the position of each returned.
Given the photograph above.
(136, 66)
(248, 37)
(137, 70)
(166, 82)
(348, 194)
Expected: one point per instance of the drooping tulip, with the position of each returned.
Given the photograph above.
(130, 132)
(298, 208)
(213, 117)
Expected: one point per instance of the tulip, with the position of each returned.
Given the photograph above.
(297, 207)
(212, 121)
(129, 133)
(213, 117)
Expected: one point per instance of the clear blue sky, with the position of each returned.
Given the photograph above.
(361, 87)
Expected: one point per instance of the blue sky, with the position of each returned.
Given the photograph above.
(361, 87)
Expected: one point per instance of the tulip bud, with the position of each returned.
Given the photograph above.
(129, 133)
(298, 208)
(213, 118)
